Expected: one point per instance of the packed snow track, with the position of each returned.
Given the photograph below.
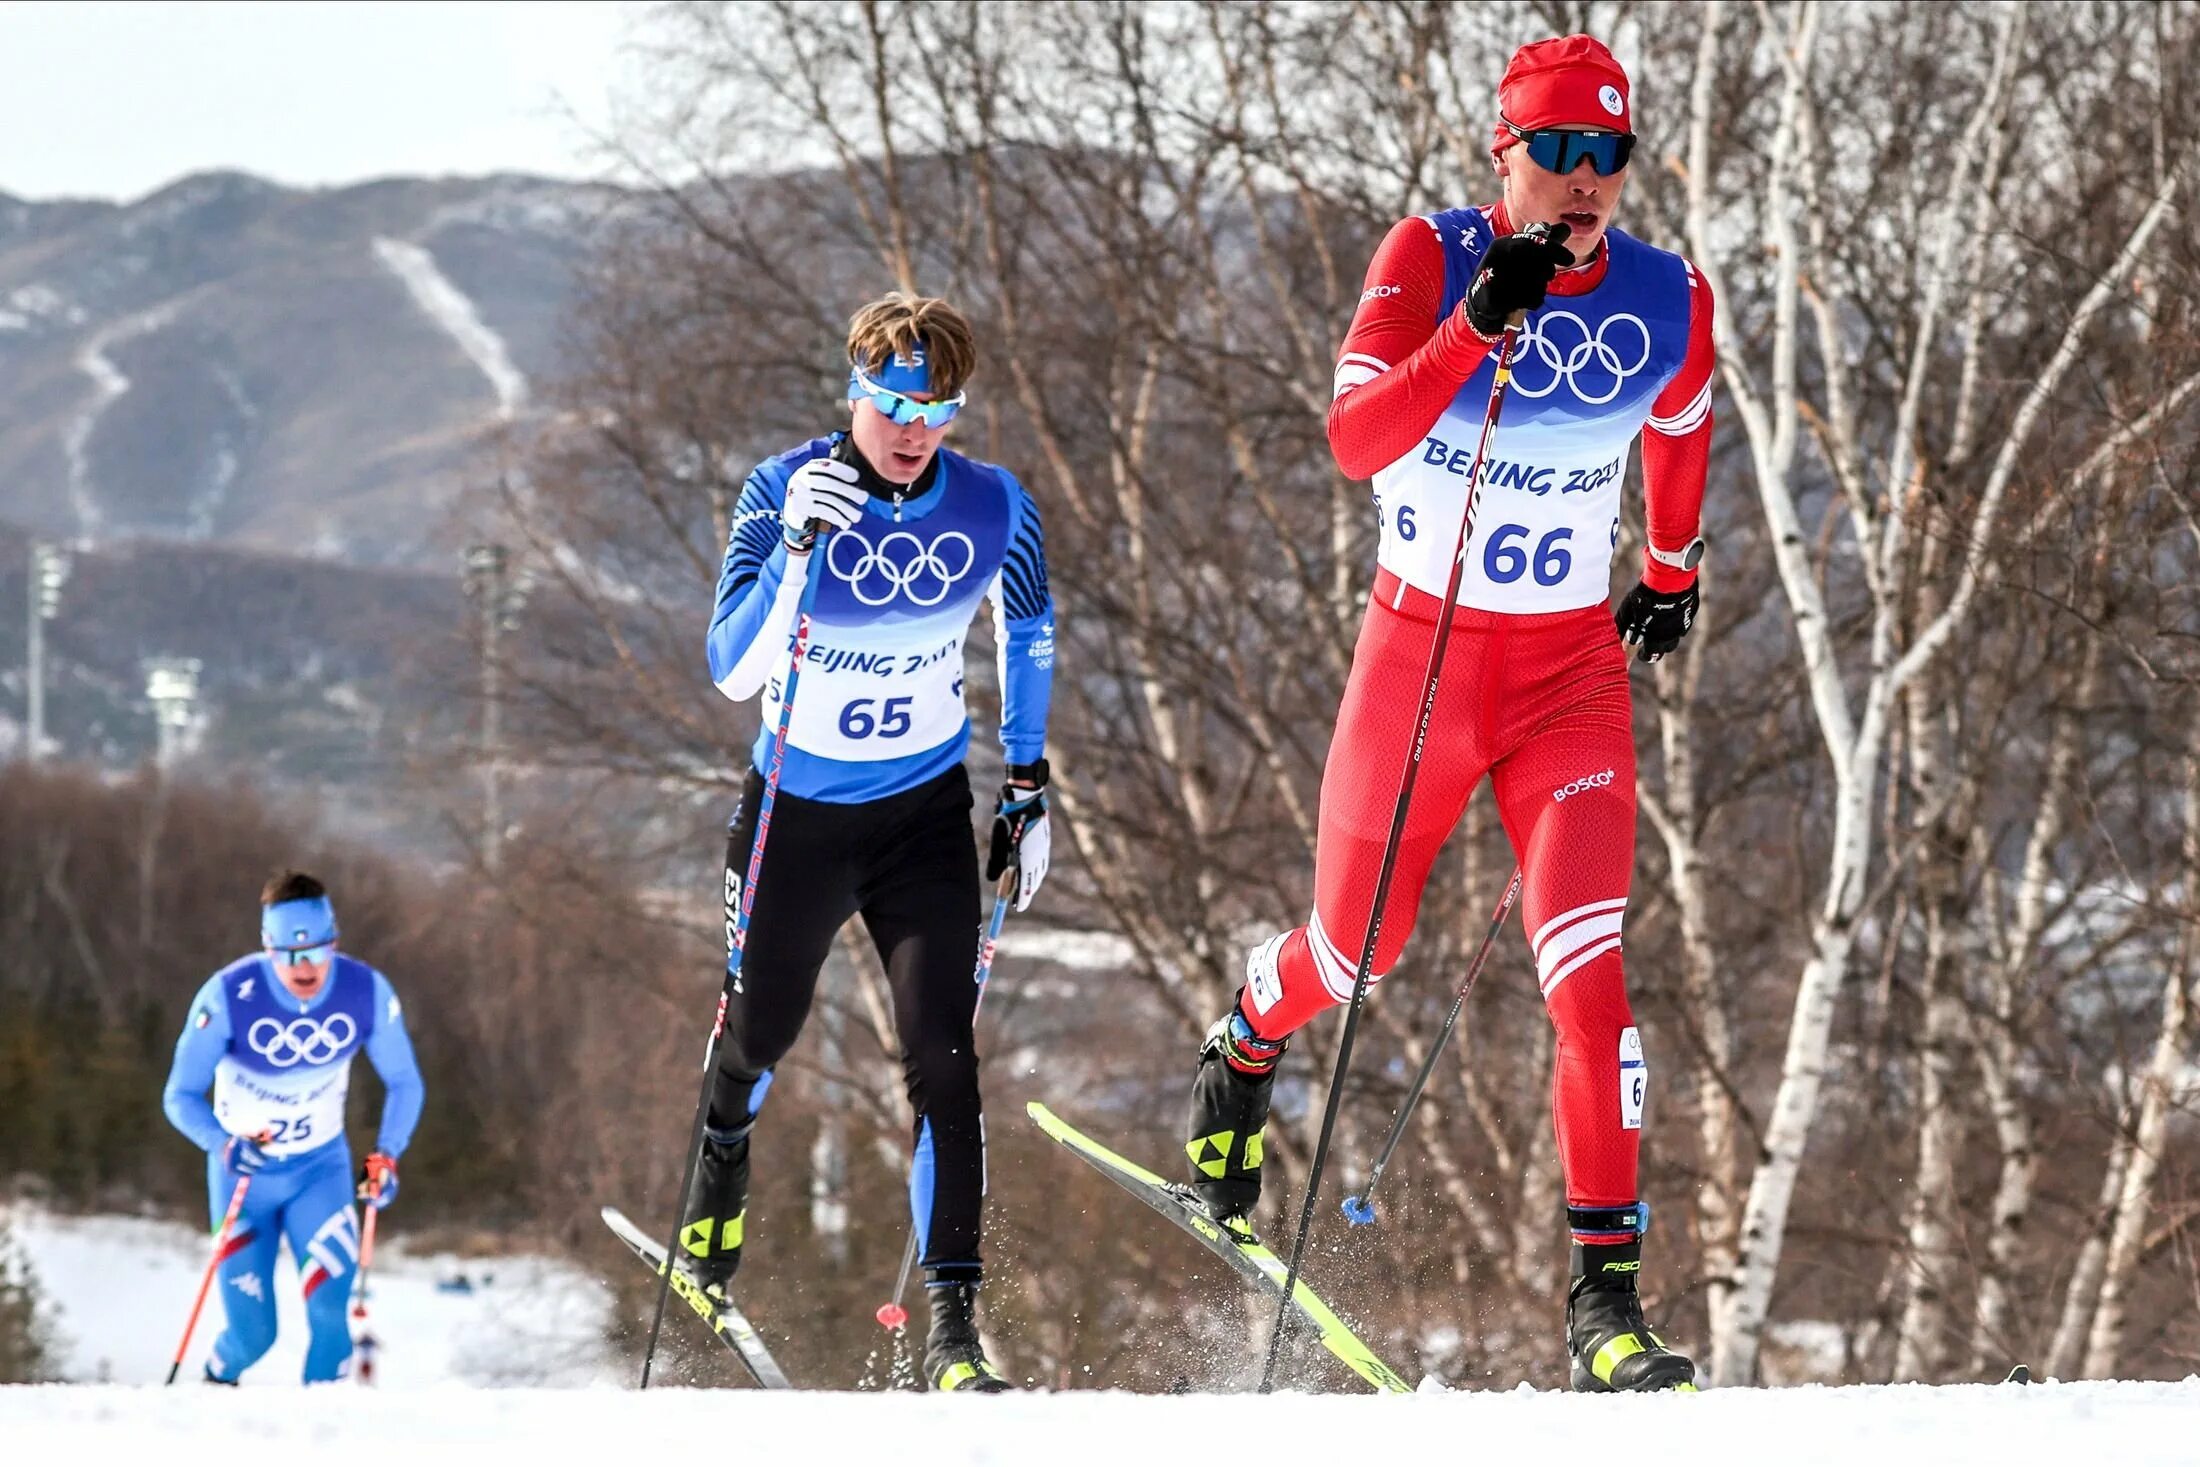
(346, 1426)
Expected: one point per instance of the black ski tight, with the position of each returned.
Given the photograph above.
(909, 865)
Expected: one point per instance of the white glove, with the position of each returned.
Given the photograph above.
(1031, 861)
(1020, 838)
(823, 491)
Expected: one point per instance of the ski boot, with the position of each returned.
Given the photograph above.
(954, 1357)
(717, 1205)
(1237, 1074)
(1613, 1349)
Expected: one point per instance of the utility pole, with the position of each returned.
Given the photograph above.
(172, 683)
(49, 571)
(500, 597)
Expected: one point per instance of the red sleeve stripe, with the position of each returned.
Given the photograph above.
(1688, 419)
(1354, 368)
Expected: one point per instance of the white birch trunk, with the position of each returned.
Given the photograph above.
(2064, 1355)
(2158, 1095)
(1999, 1051)
(1931, 1256)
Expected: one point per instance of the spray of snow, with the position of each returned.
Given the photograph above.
(108, 386)
(447, 306)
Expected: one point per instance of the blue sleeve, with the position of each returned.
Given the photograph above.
(390, 1051)
(746, 631)
(1023, 626)
(205, 1039)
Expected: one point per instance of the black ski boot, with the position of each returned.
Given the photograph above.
(717, 1206)
(1237, 1074)
(1613, 1349)
(954, 1357)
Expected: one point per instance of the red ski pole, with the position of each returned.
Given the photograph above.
(221, 1243)
(364, 1336)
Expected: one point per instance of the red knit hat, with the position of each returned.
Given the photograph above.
(1568, 81)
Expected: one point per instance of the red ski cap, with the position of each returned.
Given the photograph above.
(1567, 81)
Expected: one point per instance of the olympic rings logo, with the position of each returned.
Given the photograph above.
(1536, 342)
(302, 1041)
(902, 571)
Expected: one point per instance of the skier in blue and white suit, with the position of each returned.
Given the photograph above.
(274, 1035)
(873, 809)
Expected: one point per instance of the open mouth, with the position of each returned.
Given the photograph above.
(905, 465)
(1579, 220)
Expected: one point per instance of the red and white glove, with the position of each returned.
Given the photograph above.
(378, 1181)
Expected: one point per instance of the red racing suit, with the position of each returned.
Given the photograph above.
(1534, 692)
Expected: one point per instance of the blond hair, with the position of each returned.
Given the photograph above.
(895, 325)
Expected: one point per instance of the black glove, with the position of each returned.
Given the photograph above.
(1514, 274)
(1020, 835)
(1656, 621)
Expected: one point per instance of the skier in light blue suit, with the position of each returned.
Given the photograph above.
(274, 1035)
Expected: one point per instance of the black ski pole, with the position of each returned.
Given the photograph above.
(1502, 379)
(891, 1315)
(1360, 1210)
(734, 948)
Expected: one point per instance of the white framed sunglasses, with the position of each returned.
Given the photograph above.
(901, 408)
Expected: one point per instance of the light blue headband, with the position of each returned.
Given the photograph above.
(305, 922)
(902, 373)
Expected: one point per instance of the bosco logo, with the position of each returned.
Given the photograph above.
(1583, 785)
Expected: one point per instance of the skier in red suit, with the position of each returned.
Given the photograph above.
(1534, 695)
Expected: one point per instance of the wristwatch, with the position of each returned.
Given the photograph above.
(1032, 776)
(1684, 559)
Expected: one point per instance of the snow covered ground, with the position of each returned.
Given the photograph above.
(122, 1286)
(119, 1289)
(1885, 1426)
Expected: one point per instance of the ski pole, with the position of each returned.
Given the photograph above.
(365, 1332)
(221, 1244)
(1361, 1209)
(890, 1314)
(1502, 379)
(738, 941)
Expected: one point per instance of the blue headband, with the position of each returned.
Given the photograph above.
(898, 373)
(306, 922)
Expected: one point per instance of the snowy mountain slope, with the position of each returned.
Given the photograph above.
(1885, 1426)
(120, 1288)
(231, 360)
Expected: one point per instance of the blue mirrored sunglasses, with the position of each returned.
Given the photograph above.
(903, 409)
(1561, 150)
(317, 956)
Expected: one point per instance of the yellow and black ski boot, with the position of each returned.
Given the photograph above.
(717, 1207)
(1613, 1348)
(1237, 1075)
(954, 1357)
